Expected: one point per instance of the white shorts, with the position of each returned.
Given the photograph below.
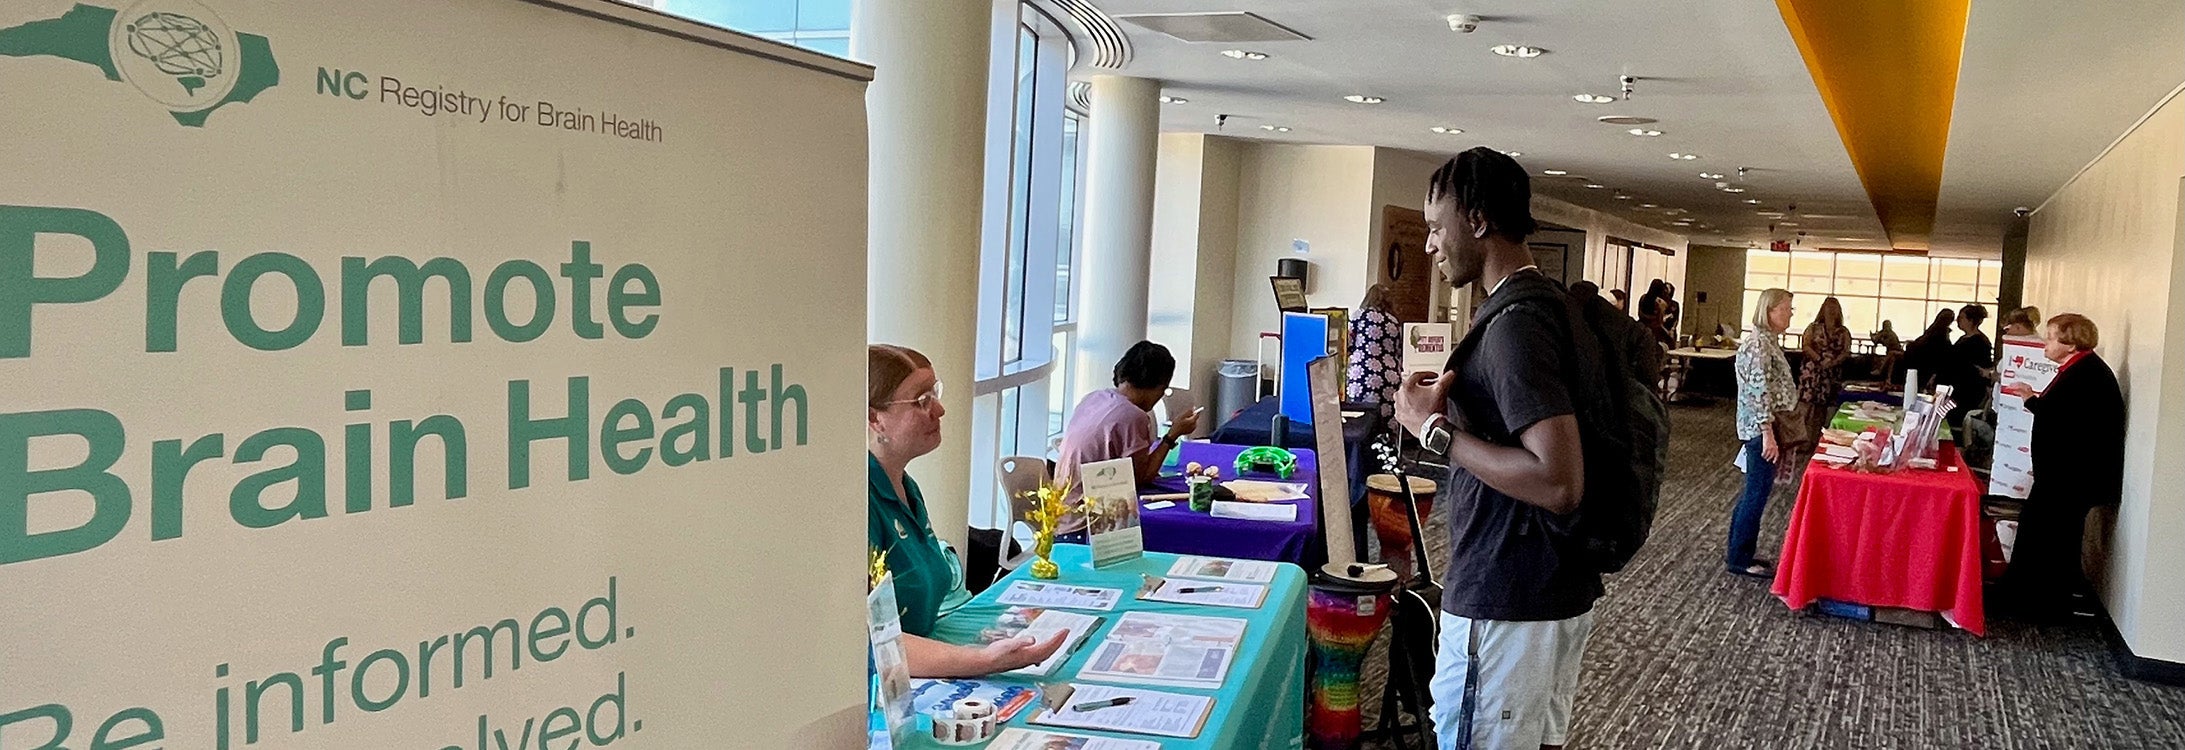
(1504, 685)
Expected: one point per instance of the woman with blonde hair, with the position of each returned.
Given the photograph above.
(1765, 393)
(1827, 344)
(2078, 465)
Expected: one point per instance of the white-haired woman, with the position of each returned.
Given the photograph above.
(1766, 390)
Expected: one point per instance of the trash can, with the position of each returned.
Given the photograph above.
(1236, 386)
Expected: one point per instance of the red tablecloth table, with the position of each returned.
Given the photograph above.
(1909, 540)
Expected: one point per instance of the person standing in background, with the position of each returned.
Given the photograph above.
(1765, 391)
(1672, 311)
(1623, 299)
(1892, 349)
(1827, 344)
(1930, 353)
(1969, 361)
(1376, 352)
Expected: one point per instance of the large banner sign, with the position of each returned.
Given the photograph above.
(2022, 362)
(451, 375)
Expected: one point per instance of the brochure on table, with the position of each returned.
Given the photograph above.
(1275, 512)
(1146, 711)
(1164, 649)
(884, 621)
(1426, 347)
(1037, 594)
(1207, 593)
(1033, 739)
(1111, 511)
(1041, 624)
(2023, 362)
(1222, 569)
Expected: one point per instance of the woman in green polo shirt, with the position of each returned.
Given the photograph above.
(903, 419)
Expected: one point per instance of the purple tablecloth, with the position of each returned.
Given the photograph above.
(1179, 530)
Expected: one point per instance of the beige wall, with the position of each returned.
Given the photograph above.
(1194, 254)
(2107, 246)
(1320, 194)
(1719, 272)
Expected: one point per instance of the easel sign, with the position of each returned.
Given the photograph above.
(1326, 376)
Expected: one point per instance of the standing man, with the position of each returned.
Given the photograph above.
(1518, 604)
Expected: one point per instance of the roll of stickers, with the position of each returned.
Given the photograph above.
(969, 721)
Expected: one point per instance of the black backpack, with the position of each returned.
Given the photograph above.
(1611, 364)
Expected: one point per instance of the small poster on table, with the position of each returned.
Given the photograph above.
(2023, 362)
(884, 622)
(1111, 511)
(1028, 739)
(1426, 347)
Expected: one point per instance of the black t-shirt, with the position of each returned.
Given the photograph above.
(1511, 560)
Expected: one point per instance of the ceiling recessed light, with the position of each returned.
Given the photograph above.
(1684, 157)
(1709, 175)
(1165, 99)
(1553, 172)
(1513, 154)
(1594, 98)
(1752, 201)
(1595, 186)
(1446, 130)
(1646, 205)
(1363, 99)
(1733, 190)
(1790, 223)
(1275, 128)
(1517, 50)
(1243, 54)
(1643, 132)
(1625, 120)
(1622, 197)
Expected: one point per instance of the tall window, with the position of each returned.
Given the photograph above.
(822, 25)
(1906, 290)
(1027, 324)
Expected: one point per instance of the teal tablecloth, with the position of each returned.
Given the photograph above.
(1261, 705)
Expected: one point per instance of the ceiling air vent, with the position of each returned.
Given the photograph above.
(1216, 27)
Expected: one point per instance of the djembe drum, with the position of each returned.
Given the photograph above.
(1344, 613)
(1385, 505)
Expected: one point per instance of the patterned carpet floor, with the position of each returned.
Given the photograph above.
(1686, 656)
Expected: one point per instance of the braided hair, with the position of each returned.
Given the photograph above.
(1492, 184)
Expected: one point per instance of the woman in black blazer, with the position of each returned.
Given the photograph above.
(2078, 464)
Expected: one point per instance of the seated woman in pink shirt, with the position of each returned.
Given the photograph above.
(1118, 422)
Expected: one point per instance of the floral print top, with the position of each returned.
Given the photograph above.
(1764, 383)
(1376, 358)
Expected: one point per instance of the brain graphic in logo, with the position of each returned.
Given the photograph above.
(178, 45)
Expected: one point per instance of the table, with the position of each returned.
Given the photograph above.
(1255, 426)
(1181, 530)
(1909, 540)
(1691, 356)
(1849, 396)
(1261, 704)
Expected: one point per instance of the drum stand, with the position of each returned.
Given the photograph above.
(1413, 637)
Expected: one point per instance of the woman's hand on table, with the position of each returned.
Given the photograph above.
(1019, 652)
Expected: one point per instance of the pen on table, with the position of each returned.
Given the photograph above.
(1097, 705)
(1198, 590)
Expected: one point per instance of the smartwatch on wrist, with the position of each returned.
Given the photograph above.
(1435, 437)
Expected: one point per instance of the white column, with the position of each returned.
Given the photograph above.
(926, 111)
(1122, 143)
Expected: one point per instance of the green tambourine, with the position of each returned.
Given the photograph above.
(1267, 460)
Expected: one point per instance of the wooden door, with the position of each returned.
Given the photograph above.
(1404, 265)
